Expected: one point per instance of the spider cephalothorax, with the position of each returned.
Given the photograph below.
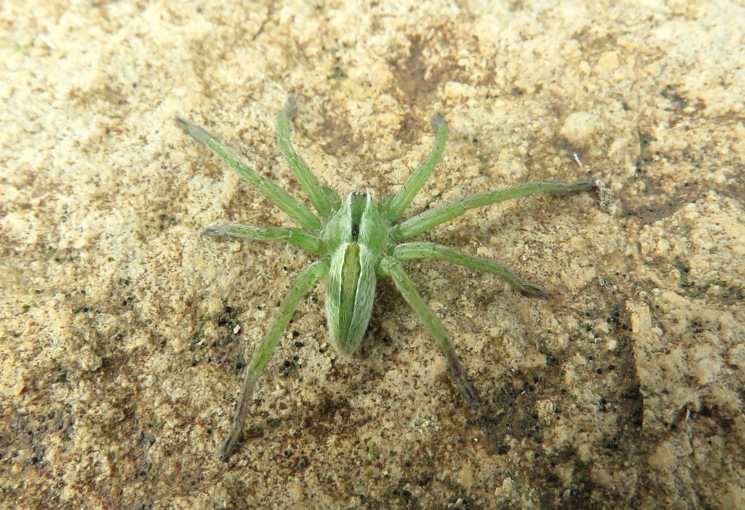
(357, 240)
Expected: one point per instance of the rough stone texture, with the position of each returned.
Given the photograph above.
(123, 331)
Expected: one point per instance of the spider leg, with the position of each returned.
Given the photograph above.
(415, 251)
(299, 238)
(445, 212)
(267, 188)
(416, 180)
(316, 194)
(299, 288)
(389, 266)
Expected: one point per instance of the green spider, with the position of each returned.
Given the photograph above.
(359, 239)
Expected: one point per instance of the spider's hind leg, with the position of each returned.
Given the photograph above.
(302, 284)
(391, 267)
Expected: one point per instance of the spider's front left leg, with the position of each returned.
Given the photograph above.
(389, 266)
(325, 200)
(424, 250)
(299, 288)
(279, 197)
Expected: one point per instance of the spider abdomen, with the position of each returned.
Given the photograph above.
(350, 288)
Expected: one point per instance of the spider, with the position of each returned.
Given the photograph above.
(359, 239)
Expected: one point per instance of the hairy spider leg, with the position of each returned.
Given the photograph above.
(279, 197)
(294, 236)
(389, 266)
(419, 176)
(422, 250)
(320, 197)
(445, 212)
(302, 284)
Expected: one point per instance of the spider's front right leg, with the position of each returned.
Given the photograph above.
(302, 284)
(416, 180)
(389, 266)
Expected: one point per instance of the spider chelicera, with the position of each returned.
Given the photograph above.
(357, 239)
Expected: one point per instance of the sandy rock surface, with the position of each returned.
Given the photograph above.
(123, 331)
